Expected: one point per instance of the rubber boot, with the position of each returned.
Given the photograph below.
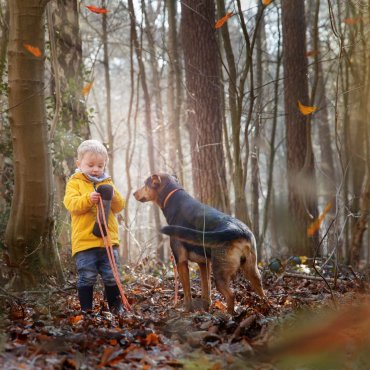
(106, 193)
(85, 295)
(114, 299)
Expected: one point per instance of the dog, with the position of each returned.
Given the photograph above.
(204, 235)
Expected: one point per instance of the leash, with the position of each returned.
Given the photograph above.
(108, 246)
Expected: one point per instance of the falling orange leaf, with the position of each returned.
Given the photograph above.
(87, 88)
(352, 21)
(315, 226)
(34, 50)
(266, 2)
(312, 53)
(305, 110)
(222, 20)
(97, 10)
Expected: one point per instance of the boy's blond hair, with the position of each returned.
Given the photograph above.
(92, 146)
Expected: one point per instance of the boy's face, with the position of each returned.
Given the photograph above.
(92, 164)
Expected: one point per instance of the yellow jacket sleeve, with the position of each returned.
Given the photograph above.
(74, 201)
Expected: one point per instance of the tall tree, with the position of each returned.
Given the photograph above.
(108, 89)
(174, 90)
(204, 116)
(29, 234)
(300, 159)
(148, 115)
(70, 123)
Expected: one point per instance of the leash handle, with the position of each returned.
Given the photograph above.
(108, 246)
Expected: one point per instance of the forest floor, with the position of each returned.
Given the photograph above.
(307, 323)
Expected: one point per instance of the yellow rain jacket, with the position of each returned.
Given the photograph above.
(83, 212)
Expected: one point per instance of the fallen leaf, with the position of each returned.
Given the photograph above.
(305, 109)
(219, 305)
(87, 88)
(34, 50)
(151, 339)
(75, 319)
(109, 354)
(222, 20)
(97, 10)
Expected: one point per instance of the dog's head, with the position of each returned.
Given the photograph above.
(156, 187)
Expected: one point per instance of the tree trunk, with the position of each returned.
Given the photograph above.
(174, 91)
(148, 118)
(204, 117)
(30, 229)
(4, 20)
(300, 163)
(4, 129)
(70, 113)
(256, 137)
(156, 85)
(107, 91)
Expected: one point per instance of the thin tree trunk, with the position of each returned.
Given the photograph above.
(156, 82)
(108, 90)
(131, 143)
(256, 137)
(269, 194)
(4, 29)
(174, 91)
(30, 232)
(148, 118)
(4, 21)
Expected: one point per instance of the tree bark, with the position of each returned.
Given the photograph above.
(30, 232)
(300, 163)
(204, 118)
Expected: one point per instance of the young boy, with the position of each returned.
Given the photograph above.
(81, 199)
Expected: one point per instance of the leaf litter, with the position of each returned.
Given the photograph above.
(298, 325)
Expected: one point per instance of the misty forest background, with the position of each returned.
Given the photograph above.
(263, 115)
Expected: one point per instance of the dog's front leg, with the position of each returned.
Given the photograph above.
(204, 269)
(183, 269)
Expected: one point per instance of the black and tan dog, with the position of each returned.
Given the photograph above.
(203, 235)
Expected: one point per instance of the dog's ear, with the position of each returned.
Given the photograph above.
(155, 181)
(175, 177)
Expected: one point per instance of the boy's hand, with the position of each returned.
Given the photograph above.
(94, 197)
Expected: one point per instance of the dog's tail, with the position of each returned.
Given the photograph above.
(206, 238)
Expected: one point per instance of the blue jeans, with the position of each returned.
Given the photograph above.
(92, 262)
